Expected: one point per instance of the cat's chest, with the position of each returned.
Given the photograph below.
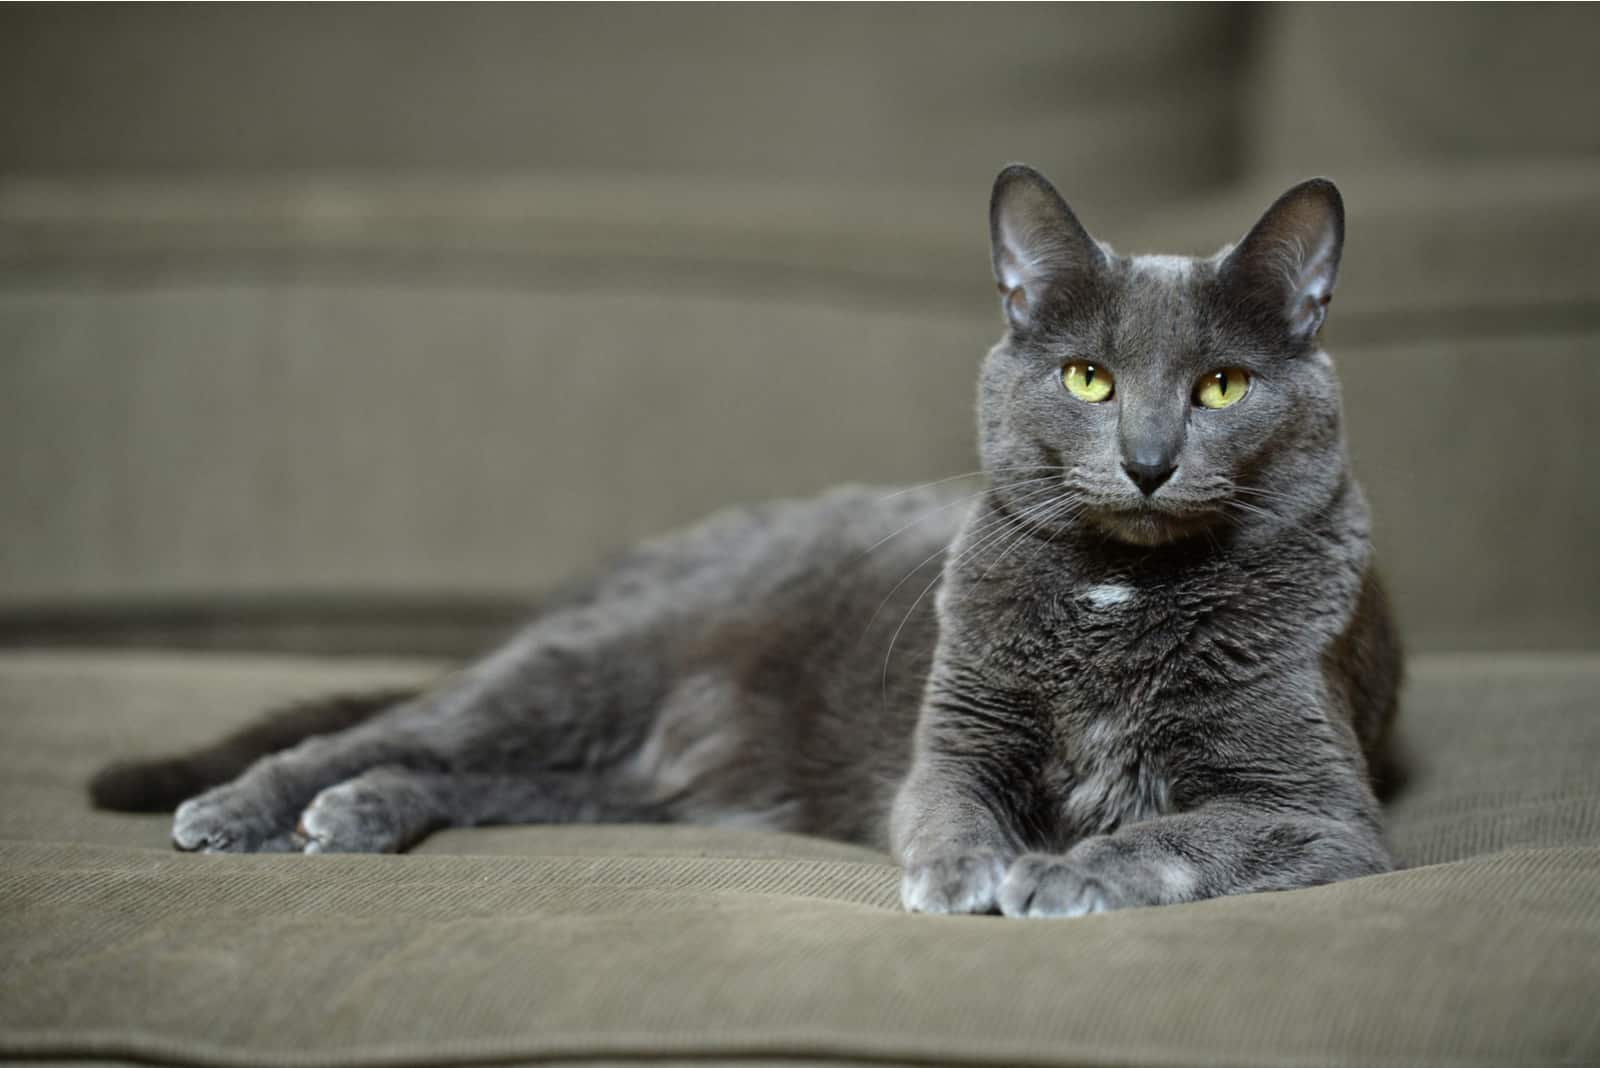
(1104, 648)
(1108, 646)
(1102, 779)
(1126, 665)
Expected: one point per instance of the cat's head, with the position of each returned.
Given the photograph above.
(1172, 395)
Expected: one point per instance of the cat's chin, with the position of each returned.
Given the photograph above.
(1148, 527)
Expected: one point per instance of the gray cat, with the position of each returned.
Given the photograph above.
(1158, 666)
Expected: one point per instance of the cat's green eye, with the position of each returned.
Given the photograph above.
(1086, 381)
(1223, 387)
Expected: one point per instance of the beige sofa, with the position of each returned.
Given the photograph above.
(332, 332)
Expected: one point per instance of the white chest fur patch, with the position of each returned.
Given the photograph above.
(1108, 595)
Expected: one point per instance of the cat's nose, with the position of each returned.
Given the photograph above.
(1149, 473)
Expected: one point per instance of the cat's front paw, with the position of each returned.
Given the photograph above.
(358, 816)
(228, 819)
(962, 882)
(1039, 884)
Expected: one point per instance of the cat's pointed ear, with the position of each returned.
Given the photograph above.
(1035, 241)
(1287, 264)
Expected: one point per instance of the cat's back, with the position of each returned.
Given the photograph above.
(860, 535)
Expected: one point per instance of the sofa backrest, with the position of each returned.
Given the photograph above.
(349, 338)
(1417, 83)
(1128, 105)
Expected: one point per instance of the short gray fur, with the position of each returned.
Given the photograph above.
(1129, 689)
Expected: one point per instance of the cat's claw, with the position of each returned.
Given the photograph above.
(1042, 885)
(966, 882)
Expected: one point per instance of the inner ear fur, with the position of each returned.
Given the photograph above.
(1035, 242)
(1288, 263)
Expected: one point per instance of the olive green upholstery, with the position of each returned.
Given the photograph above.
(540, 944)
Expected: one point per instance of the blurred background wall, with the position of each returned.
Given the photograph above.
(347, 327)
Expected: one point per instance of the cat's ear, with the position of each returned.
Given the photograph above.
(1287, 264)
(1035, 242)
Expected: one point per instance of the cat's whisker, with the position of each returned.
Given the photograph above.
(929, 513)
(1069, 510)
(1074, 509)
(1301, 525)
(1051, 511)
(1035, 517)
(1251, 509)
(884, 681)
(995, 531)
(970, 474)
(1255, 491)
(1270, 516)
(1005, 525)
(997, 528)
(930, 558)
(1268, 495)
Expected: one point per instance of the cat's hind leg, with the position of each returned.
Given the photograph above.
(258, 811)
(579, 691)
(386, 809)
(534, 712)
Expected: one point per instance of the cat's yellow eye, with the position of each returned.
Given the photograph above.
(1223, 387)
(1086, 381)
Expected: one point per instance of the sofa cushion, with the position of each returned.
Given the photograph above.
(553, 944)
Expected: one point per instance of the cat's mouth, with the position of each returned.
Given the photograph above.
(1152, 522)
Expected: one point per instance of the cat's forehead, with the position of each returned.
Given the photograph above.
(1158, 312)
(1160, 303)
(1176, 270)
(1156, 274)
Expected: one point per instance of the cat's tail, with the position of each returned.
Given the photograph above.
(159, 785)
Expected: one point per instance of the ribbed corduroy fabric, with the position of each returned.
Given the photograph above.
(683, 945)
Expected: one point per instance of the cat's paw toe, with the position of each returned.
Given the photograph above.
(224, 821)
(352, 817)
(1042, 885)
(964, 882)
(201, 827)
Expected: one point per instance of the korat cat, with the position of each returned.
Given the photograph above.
(1157, 668)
